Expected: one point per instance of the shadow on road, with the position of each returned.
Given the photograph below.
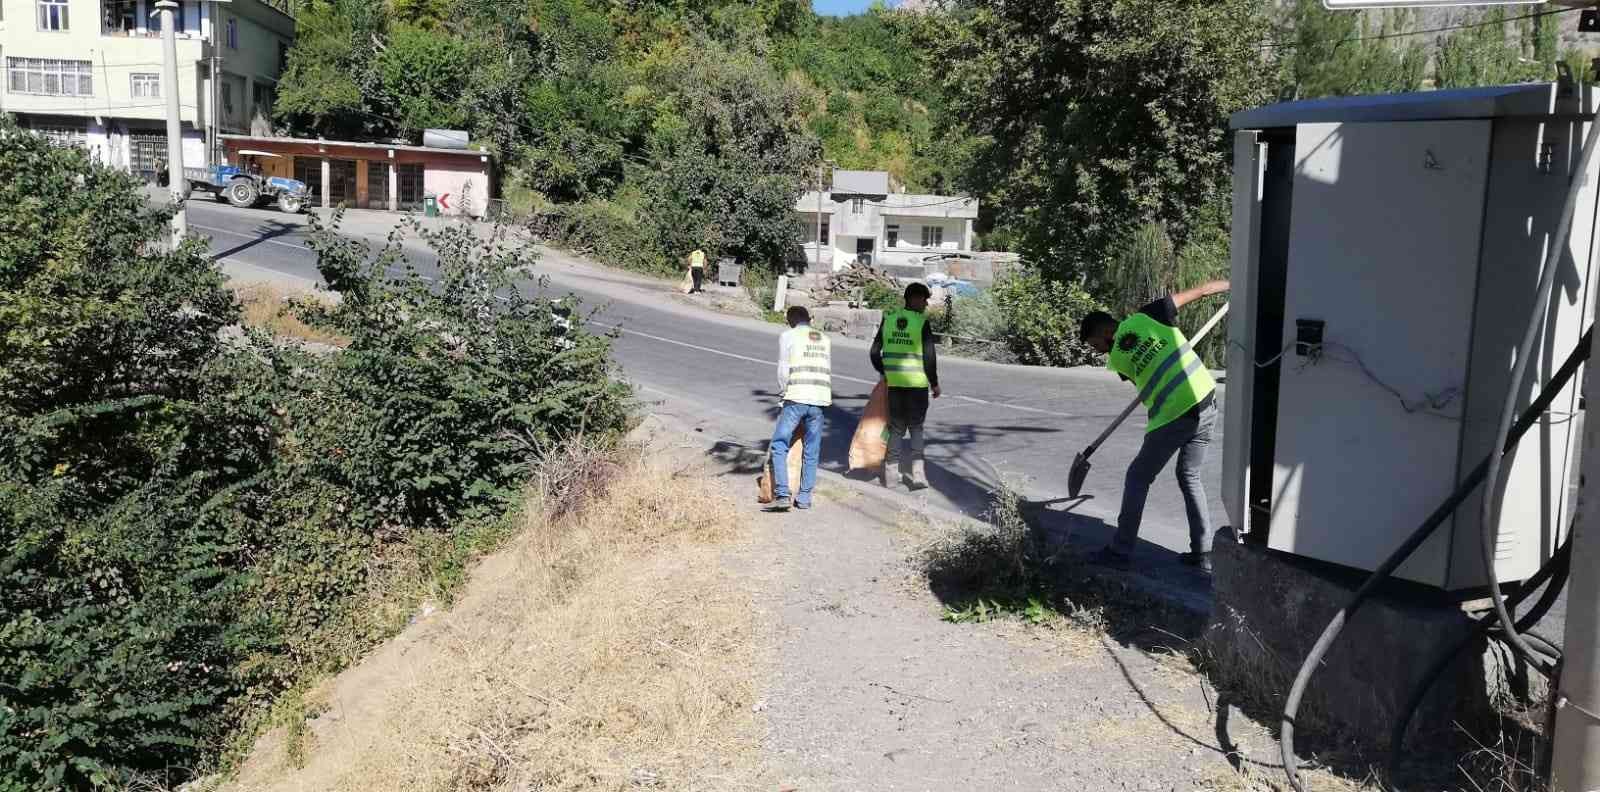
(264, 232)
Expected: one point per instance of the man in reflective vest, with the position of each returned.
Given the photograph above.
(903, 353)
(1149, 350)
(805, 379)
(697, 270)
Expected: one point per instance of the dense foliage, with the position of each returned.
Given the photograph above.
(1086, 127)
(191, 520)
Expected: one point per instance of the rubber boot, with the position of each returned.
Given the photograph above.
(918, 480)
(912, 470)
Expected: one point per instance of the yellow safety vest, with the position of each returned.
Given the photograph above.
(1170, 377)
(902, 349)
(697, 259)
(810, 367)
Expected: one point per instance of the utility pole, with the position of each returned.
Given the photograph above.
(820, 183)
(817, 265)
(169, 80)
(1575, 764)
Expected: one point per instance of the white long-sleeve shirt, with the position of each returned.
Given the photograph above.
(783, 361)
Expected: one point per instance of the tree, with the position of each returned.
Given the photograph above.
(328, 85)
(1093, 116)
(1486, 55)
(424, 75)
(1339, 53)
(727, 151)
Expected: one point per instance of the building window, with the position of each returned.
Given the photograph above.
(412, 177)
(826, 231)
(62, 135)
(891, 236)
(121, 17)
(261, 96)
(49, 77)
(227, 95)
(146, 86)
(932, 236)
(856, 205)
(233, 33)
(53, 14)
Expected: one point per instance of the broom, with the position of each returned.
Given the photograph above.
(1080, 463)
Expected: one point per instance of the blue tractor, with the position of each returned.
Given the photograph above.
(243, 185)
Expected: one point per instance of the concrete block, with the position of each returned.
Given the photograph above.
(1269, 610)
(850, 322)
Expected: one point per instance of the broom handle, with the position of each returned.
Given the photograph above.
(1128, 410)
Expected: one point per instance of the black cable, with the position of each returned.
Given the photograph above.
(1488, 514)
(1302, 680)
(1555, 570)
(1444, 29)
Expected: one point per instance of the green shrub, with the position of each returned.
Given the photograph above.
(975, 316)
(190, 527)
(1142, 268)
(1041, 319)
(881, 296)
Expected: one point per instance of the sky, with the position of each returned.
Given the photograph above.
(840, 7)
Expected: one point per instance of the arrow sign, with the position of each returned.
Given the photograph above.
(444, 200)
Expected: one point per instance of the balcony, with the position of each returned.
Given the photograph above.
(134, 19)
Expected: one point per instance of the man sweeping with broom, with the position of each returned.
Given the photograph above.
(1178, 393)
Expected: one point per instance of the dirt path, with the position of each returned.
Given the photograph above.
(873, 689)
(803, 652)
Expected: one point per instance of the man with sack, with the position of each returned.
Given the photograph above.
(903, 353)
(805, 365)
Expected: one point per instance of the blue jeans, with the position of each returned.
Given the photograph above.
(793, 413)
(1188, 437)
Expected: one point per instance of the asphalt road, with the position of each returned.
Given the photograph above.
(1013, 423)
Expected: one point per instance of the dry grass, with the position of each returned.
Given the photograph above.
(272, 308)
(609, 649)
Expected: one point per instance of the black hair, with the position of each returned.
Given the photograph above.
(918, 290)
(1095, 322)
(797, 314)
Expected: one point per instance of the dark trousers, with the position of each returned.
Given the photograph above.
(1189, 437)
(908, 410)
(699, 274)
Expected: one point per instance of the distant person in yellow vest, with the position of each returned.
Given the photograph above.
(1179, 396)
(697, 270)
(805, 378)
(903, 354)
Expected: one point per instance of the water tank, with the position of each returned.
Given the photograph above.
(446, 138)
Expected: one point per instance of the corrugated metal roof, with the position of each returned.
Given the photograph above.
(356, 144)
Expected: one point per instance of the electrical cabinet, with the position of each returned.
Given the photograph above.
(1385, 256)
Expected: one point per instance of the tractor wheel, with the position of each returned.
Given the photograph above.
(242, 193)
(290, 204)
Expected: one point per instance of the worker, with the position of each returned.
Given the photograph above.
(805, 379)
(902, 352)
(697, 270)
(1178, 393)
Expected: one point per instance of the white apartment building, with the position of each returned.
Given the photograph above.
(861, 218)
(89, 73)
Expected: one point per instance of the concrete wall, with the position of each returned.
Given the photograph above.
(461, 184)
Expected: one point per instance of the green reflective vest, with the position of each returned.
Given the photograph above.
(1170, 377)
(902, 349)
(697, 259)
(810, 367)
